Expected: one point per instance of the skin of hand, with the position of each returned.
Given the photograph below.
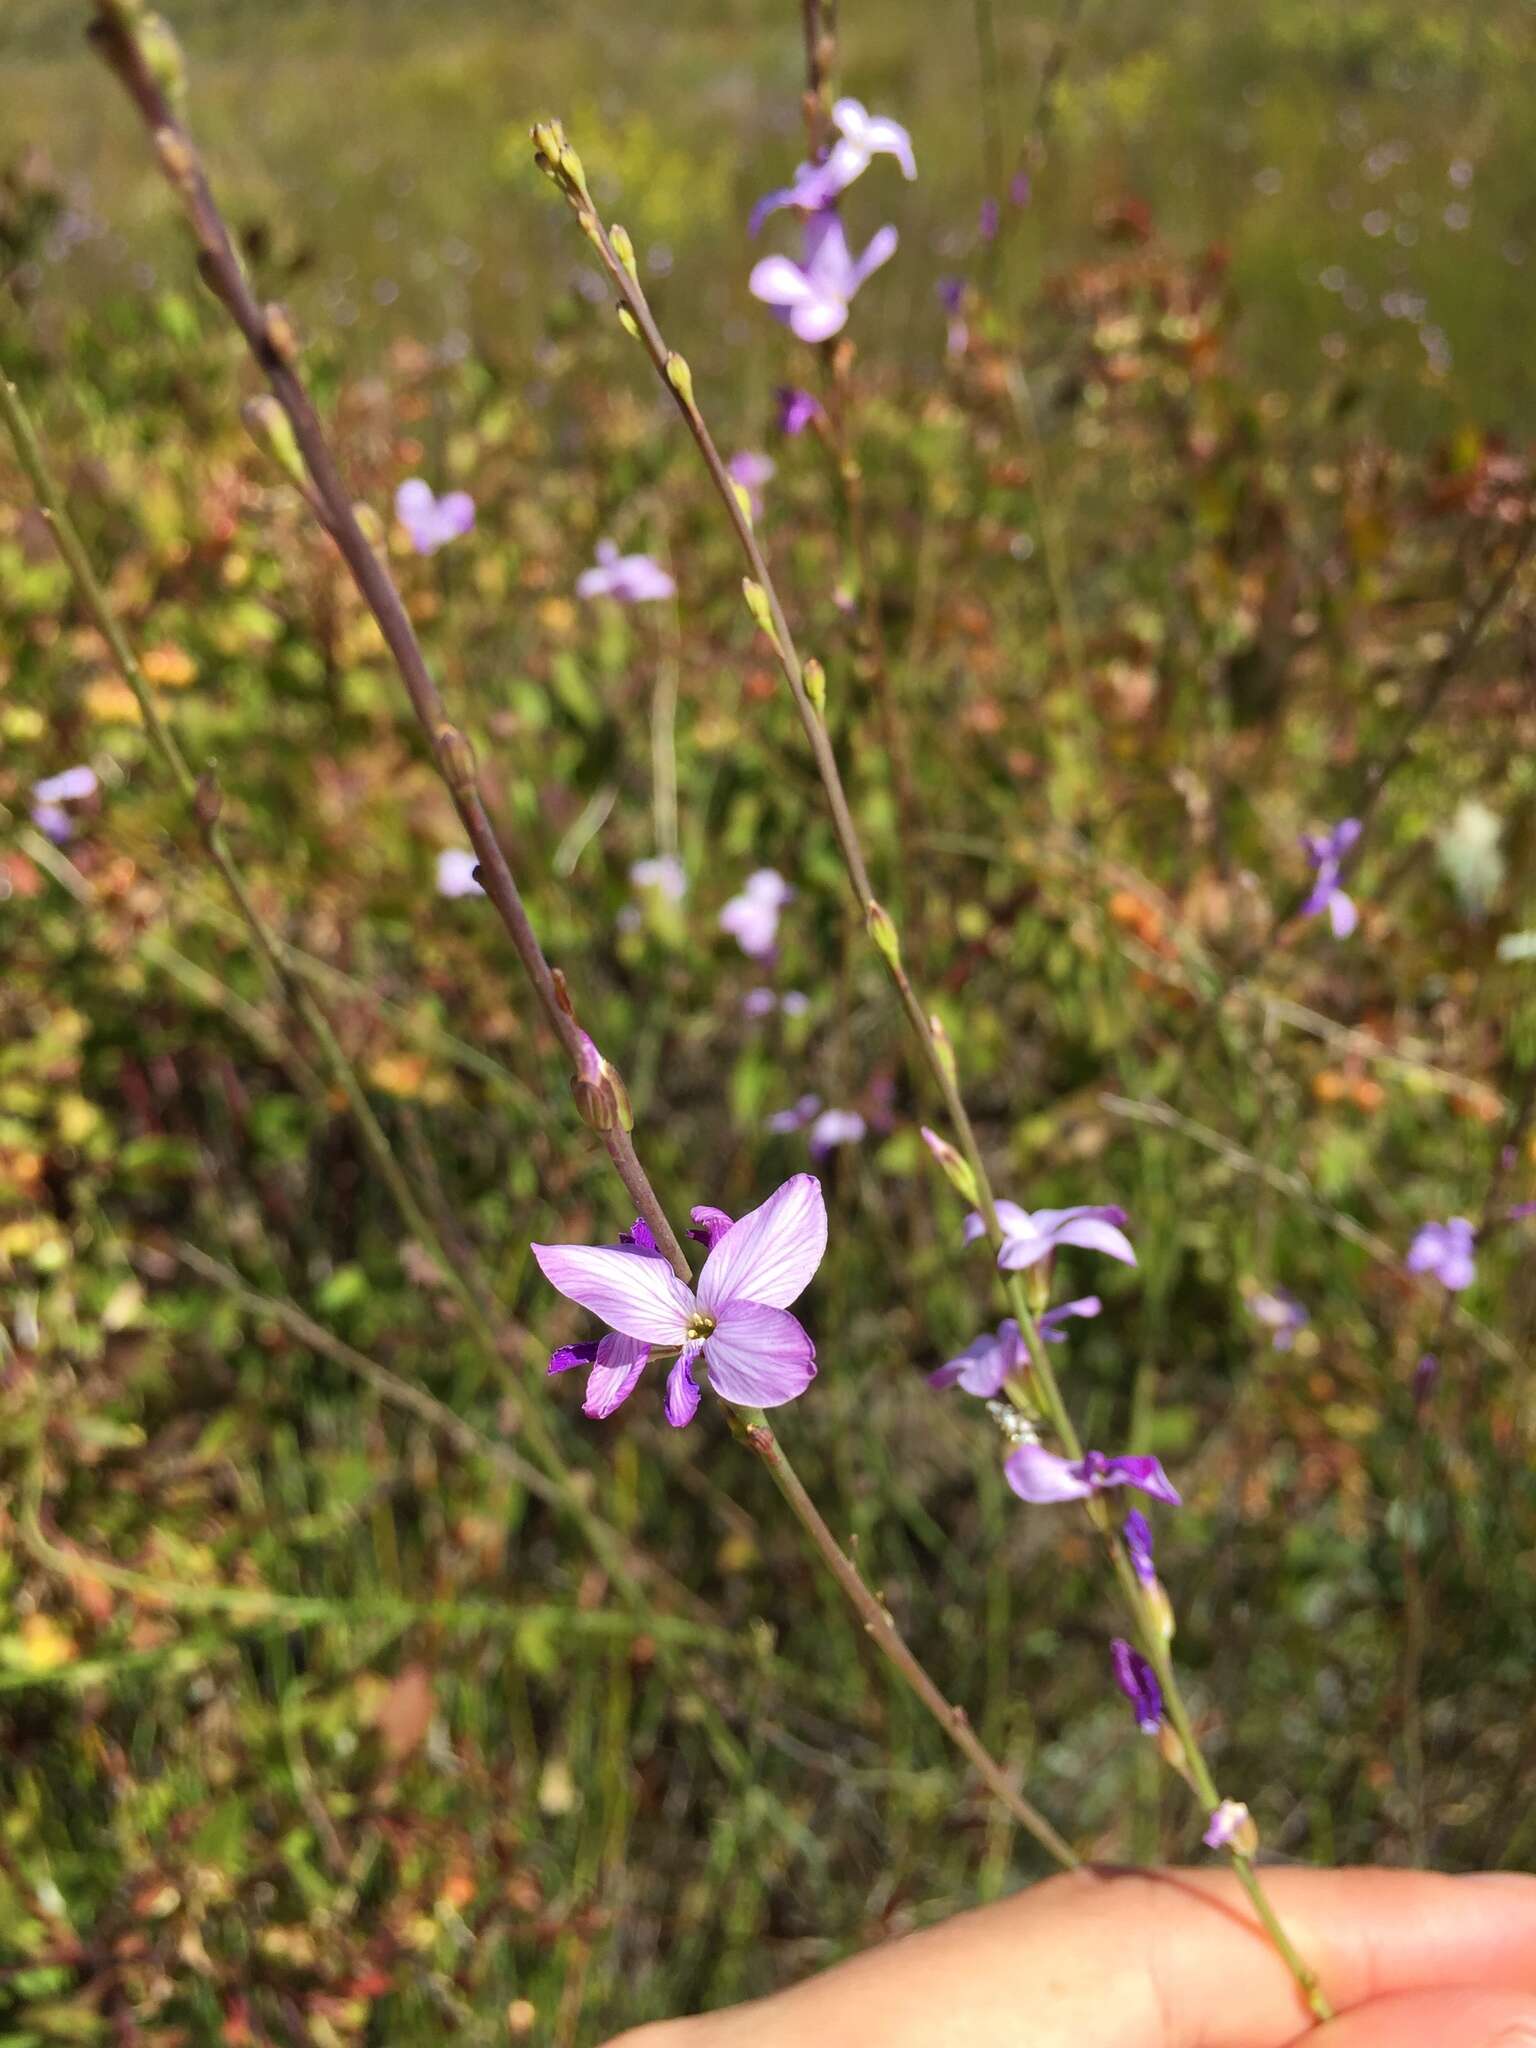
(1173, 1959)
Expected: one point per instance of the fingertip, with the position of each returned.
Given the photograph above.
(1438, 2019)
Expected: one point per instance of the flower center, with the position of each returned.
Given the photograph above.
(701, 1324)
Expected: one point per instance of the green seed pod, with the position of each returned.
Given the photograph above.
(757, 605)
(680, 377)
(629, 323)
(814, 676)
(624, 249)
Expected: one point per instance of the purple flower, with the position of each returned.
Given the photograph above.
(794, 1002)
(1020, 190)
(752, 471)
(835, 1127)
(989, 220)
(814, 297)
(1138, 1681)
(951, 291)
(1280, 1313)
(752, 918)
(662, 872)
(1137, 1531)
(1040, 1476)
(736, 1320)
(1231, 1827)
(759, 1002)
(796, 1117)
(862, 137)
(632, 579)
(1029, 1237)
(986, 1363)
(1445, 1251)
(69, 786)
(456, 872)
(1327, 852)
(797, 409)
(1425, 1374)
(432, 521)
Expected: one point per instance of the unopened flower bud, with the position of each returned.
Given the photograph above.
(268, 426)
(743, 500)
(571, 170)
(1160, 1607)
(814, 677)
(601, 1097)
(680, 377)
(163, 57)
(548, 141)
(959, 1174)
(456, 757)
(624, 249)
(1231, 1827)
(629, 323)
(877, 921)
(757, 605)
(281, 334)
(1171, 1749)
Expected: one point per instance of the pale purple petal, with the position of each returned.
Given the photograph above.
(1342, 914)
(1089, 1234)
(640, 1296)
(710, 1225)
(69, 786)
(575, 1354)
(456, 867)
(54, 822)
(663, 872)
(1038, 1475)
(620, 1362)
(818, 319)
(875, 134)
(456, 514)
(771, 1253)
(1049, 1323)
(414, 500)
(682, 1401)
(882, 247)
(794, 1118)
(1344, 836)
(1019, 1253)
(836, 1127)
(1146, 1474)
(779, 282)
(771, 202)
(759, 1357)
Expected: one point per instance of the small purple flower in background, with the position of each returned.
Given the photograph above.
(1327, 852)
(1445, 1252)
(795, 1118)
(69, 786)
(736, 1319)
(632, 579)
(1425, 1374)
(1041, 1477)
(1137, 1531)
(759, 1002)
(814, 297)
(1020, 190)
(862, 137)
(794, 1002)
(662, 872)
(752, 471)
(797, 409)
(1279, 1312)
(1138, 1681)
(989, 220)
(986, 1363)
(1029, 1237)
(752, 918)
(951, 291)
(431, 521)
(1231, 1827)
(835, 1127)
(456, 872)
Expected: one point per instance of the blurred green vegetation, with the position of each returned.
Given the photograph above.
(318, 1725)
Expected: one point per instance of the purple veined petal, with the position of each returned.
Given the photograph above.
(69, 786)
(882, 247)
(770, 1254)
(620, 1362)
(779, 282)
(1048, 1325)
(575, 1354)
(682, 1401)
(710, 1225)
(759, 1357)
(1088, 1233)
(1342, 914)
(1039, 1476)
(640, 1297)
(1146, 1475)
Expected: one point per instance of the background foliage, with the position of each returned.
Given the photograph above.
(316, 1725)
